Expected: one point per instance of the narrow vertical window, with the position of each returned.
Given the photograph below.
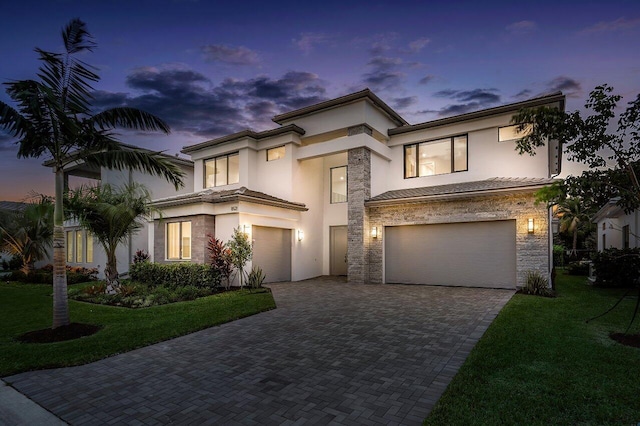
(79, 251)
(460, 153)
(221, 171)
(339, 184)
(410, 161)
(69, 246)
(234, 169)
(89, 247)
(626, 237)
(178, 240)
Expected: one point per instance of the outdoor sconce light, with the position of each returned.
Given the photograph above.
(300, 234)
(245, 229)
(374, 232)
(530, 225)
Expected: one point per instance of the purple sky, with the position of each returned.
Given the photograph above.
(211, 67)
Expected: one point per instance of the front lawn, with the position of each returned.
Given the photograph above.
(25, 308)
(540, 363)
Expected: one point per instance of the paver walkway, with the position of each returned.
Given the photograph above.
(331, 353)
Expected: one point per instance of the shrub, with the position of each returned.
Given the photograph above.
(13, 264)
(536, 284)
(140, 256)
(617, 268)
(174, 275)
(558, 255)
(220, 259)
(126, 290)
(256, 277)
(580, 267)
(94, 290)
(188, 292)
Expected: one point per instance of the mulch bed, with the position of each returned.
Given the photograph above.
(72, 331)
(632, 340)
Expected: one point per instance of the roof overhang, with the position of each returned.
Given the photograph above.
(292, 128)
(609, 210)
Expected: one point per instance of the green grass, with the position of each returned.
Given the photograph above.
(25, 308)
(540, 363)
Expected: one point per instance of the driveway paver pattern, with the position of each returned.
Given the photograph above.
(331, 353)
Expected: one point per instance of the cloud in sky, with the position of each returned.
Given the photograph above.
(239, 55)
(521, 27)
(523, 94)
(468, 100)
(385, 74)
(189, 102)
(417, 45)
(620, 24)
(426, 79)
(567, 85)
(308, 41)
(404, 102)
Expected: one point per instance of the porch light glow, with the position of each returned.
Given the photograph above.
(246, 229)
(374, 232)
(530, 225)
(300, 234)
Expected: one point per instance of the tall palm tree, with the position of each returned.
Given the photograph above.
(28, 233)
(54, 117)
(112, 214)
(572, 214)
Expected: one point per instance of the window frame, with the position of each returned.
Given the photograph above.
(166, 241)
(214, 160)
(70, 240)
(346, 182)
(276, 147)
(417, 149)
(514, 139)
(79, 238)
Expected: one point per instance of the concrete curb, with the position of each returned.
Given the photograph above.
(17, 410)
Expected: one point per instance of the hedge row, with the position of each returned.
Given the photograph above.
(617, 268)
(174, 275)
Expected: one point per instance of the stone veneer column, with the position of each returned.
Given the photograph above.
(358, 190)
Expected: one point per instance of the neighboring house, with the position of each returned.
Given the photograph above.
(82, 249)
(617, 229)
(9, 207)
(348, 187)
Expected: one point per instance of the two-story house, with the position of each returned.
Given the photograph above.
(348, 187)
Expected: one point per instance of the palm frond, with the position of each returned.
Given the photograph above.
(129, 118)
(76, 37)
(12, 121)
(148, 162)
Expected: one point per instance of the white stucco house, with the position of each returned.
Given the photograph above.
(348, 187)
(617, 229)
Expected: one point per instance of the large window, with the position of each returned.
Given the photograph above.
(79, 246)
(436, 157)
(276, 153)
(339, 184)
(223, 170)
(178, 240)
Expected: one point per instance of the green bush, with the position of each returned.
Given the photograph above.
(536, 284)
(558, 255)
(617, 268)
(580, 267)
(256, 277)
(174, 275)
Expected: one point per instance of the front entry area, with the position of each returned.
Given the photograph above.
(272, 252)
(338, 250)
(471, 254)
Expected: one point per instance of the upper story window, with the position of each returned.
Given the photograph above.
(436, 157)
(276, 153)
(223, 170)
(339, 184)
(510, 133)
(179, 240)
(626, 237)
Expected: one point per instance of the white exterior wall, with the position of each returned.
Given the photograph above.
(613, 231)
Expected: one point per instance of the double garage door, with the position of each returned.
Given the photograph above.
(475, 254)
(272, 252)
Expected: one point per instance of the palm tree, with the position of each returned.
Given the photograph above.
(571, 213)
(112, 214)
(54, 117)
(28, 233)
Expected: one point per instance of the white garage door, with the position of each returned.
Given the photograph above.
(477, 254)
(272, 252)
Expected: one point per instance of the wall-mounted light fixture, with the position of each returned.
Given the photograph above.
(300, 234)
(530, 225)
(374, 232)
(246, 229)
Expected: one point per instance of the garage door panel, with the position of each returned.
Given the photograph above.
(477, 254)
(272, 252)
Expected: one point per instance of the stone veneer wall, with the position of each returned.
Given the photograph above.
(358, 190)
(201, 225)
(532, 250)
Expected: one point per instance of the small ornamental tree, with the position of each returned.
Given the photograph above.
(220, 259)
(241, 251)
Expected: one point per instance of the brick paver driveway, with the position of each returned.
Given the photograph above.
(331, 352)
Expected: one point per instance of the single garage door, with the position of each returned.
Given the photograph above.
(474, 254)
(272, 252)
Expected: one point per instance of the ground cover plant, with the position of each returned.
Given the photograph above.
(541, 363)
(25, 308)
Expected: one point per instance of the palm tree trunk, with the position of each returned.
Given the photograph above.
(60, 301)
(111, 273)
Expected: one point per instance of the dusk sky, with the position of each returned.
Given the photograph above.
(211, 68)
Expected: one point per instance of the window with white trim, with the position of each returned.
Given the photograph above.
(339, 185)
(178, 240)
